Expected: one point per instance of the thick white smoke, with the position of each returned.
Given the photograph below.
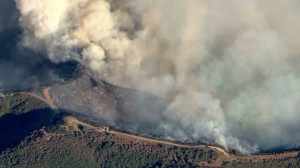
(228, 69)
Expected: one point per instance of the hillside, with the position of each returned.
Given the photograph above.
(39, 129)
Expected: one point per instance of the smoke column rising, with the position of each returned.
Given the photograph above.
(228, 70)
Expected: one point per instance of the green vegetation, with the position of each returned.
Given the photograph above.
(281, 163)
(4, 105)
(47, 156)
(19, 103)
(57, 147)
(118, 152)
(20, 115)
(22, 103)
(91, 149)
(35, 136)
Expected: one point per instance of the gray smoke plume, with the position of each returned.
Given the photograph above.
(18, 65)
(228, 69)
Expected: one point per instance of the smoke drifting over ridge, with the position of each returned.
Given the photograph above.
(18, 65)
(228, 70)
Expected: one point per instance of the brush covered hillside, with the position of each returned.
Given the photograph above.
(36, 131)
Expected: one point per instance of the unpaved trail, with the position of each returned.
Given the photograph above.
(151, 140)
(73, 120)
(223, 155)
(220, 150)
(47, 97)
(43, 99)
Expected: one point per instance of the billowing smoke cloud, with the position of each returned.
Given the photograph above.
(18, 65)
(228, 70)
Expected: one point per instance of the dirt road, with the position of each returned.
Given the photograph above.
(223, 154)
(43, 98)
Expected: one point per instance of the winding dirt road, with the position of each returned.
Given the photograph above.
(46, 98)
(223, 155)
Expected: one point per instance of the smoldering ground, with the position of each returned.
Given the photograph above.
(228, 70)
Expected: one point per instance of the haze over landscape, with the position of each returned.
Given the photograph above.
(226, 71)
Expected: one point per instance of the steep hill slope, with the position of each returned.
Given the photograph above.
(49, 128)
